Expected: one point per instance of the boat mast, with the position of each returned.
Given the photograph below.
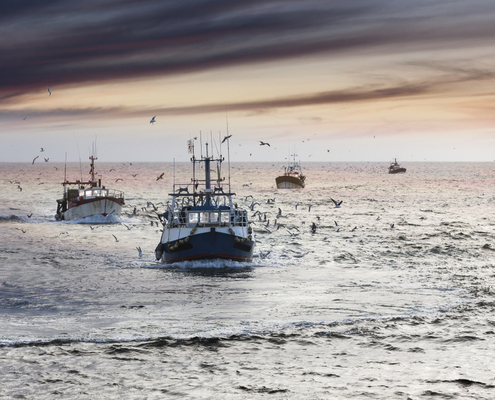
(207, 178)
(228, 146)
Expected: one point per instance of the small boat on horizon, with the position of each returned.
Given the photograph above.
(202, 222)
(395, 168)
(88, 199)
(293, 177)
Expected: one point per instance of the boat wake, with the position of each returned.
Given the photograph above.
(95, 219)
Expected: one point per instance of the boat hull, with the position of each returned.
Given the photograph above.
(206, 243)
(289, 182)
(397, 171)
(93, 207)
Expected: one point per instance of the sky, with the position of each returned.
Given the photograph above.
(330, 80)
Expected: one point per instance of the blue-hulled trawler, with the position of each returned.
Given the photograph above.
(202, 222)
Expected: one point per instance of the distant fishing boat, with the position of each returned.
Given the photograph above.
(202, 221)
(292, 178)
(395, 168)
(88, 199)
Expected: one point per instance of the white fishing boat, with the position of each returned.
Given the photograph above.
(88, 199)
(293, 177)
(202, 221)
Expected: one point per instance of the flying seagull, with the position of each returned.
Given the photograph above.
(337, 203)
(264, 144)
(226, 137)
(153, 120)
(160, 177)
(140, 253)
(115, 238)
(48, 90)
(34, 159)
(46, 159)
(42, 150)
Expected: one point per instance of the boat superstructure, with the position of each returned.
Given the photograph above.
(395, 168)
(88, 199)
(202, 222)
(293, 177)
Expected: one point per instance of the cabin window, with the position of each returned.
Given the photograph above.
(203, 217)
(193, 218)
(213, 217)
(225, 217)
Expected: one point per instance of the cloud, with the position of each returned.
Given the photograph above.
(69, 42)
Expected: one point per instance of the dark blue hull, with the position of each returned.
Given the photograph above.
(209, 245)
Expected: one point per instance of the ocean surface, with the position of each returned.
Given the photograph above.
(393, 297)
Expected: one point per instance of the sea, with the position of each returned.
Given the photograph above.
(392, 297)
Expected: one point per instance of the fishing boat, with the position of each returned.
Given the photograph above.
(202, 222)
(395, 168)
(88, 199)
(293, 177)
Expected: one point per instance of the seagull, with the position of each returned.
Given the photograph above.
(118, 179)
(134, 175)
(48, 90)
(264, 254)
(160, 177)
(153, 120)
(313, 228)
(264, 143)
(23, 231)
(337, 203)
(128, 228)
(42, 150)
(34, 159)
(115, 238)
(30, 215)
(140, 253)
(309, 207)
(293, 234)
(391, 226)
(46, 159)
(19, 187)
(226, 137)
(297, 204)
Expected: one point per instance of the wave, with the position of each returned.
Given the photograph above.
(279, 332)
(12, 218)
